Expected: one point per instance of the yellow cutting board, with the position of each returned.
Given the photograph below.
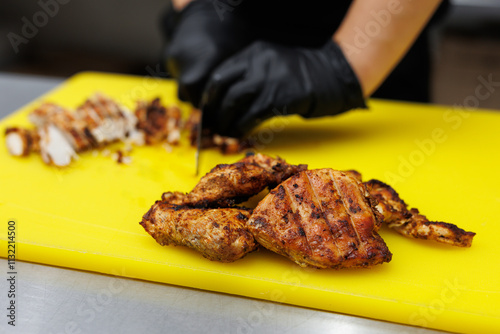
(442, 160)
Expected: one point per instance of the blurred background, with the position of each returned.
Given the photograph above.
(123, 36)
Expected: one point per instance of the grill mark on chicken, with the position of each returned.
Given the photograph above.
(272, 229)
(313, 198)
(93, 142)
(341, 226)
(316, 201)
(325, 245)
(362, 212)
(297, 219)
(344, 189)
(349, 223)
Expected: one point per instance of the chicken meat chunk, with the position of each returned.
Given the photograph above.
(321, 218)
(226, 145)
(158, 123)
(229, 184)
(411, 223)
(219, 234)
(21, 142)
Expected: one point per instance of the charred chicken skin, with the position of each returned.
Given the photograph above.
(219, 234)
(158, 122)
(229, 184)
(411, 223)
(320, 218)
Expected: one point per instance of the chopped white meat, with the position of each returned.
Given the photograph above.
(136, 137)
(54, 146)
(16, 144)
(21, 141)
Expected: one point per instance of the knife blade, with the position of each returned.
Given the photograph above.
(204, 99)
(198, 144)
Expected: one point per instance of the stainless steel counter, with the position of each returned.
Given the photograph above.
(54, 300)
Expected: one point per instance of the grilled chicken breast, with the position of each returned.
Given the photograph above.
(204, 220)
(219, 234)
(320, 218)
(411, 223)
(229, 184)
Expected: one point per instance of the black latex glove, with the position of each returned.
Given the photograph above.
(201, 40)
(246, 88)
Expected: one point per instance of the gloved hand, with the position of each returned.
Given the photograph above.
(246, 88)
(201, 39)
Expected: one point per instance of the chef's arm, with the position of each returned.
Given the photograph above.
(180, 4)
(251, 85)
(376, 34)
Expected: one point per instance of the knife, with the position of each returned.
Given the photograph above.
(198, 145)
(204, 99)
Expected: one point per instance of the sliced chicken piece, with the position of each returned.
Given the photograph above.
(158, 122)
(411, 223)
(226, 185)
(230, 145)
(48, 112)
(54, 147)
(105, 121)
(97, 122)
(320, 218)
(278, 167)
(21, 142)
(226, 145)
(174, 125)
(73, 129)
(219, 234)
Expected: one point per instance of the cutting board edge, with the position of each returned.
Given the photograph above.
(356, 305)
